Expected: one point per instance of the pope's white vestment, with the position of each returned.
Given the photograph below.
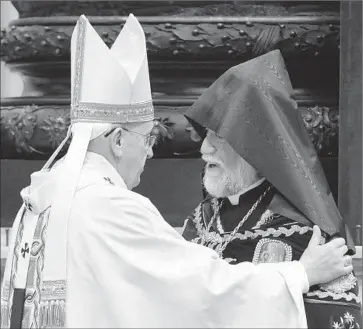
(127, 267)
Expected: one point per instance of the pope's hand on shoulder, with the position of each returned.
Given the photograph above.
(326, 262)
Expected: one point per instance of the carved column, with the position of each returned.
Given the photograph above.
(350, 142)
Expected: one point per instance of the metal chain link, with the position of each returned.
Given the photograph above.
(223, 246)
(216, 213)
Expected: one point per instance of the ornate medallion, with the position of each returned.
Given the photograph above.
(272, 251)
(341, 284)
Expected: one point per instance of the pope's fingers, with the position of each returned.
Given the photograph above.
(315, 238)
(347, 260)
(337, 242)
(343, 250)
(347, 270)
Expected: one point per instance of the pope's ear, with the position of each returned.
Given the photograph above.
(117, 141)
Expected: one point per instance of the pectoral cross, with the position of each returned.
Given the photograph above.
(25, 250)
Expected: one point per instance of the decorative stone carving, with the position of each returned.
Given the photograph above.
(35, 131)
(189, 45)
(173, 8)
(322, 124)
(192, 39)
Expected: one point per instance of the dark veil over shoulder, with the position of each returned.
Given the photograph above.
(251, 106)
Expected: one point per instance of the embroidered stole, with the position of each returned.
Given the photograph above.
(42, 303)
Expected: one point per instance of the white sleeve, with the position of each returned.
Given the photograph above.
(144, 274)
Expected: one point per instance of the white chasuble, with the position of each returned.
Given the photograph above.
(128, 268)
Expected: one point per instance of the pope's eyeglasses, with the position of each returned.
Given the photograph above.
(149, 139)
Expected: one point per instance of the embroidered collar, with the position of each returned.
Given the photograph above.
(234, 199)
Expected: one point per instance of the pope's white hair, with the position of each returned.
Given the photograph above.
(99, 129)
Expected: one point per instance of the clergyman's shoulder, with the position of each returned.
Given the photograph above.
(102, 192)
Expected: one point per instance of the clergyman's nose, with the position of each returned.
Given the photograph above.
(207, 147)
(150, 152)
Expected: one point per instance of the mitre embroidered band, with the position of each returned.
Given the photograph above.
(96, 112)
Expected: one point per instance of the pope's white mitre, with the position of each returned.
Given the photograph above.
(110, 85)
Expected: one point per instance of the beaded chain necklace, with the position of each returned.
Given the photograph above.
(223, 245)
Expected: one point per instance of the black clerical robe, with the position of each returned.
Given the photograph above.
(274, 232)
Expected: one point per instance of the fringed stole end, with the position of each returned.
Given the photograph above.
(5, 315)
(52, 314)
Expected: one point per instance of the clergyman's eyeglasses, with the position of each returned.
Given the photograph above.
(149, 139)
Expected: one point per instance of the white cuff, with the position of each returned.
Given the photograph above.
(294, 272)
(304, 275)
(297, 280)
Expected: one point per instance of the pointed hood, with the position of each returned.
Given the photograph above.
(251, 106)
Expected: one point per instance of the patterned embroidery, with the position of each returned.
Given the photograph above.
(347, 323)
(80, 111)
(275, 72)
(5, 291)
(5, 315)
(200, 226)
(290, 223)
(214, 239)
(25, 250)
(197, 219)
(33, 292)
(79, 63)
(8, 286)
(215, 206)
(341, 284)
(267, 217)
(44, 304)
(54, 290)
(108, 180)
(15, 264)
(324, 294)
(143, 111)
(273, 232)
(52, 305)
(272, 251)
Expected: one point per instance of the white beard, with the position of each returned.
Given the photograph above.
(224, 185)
(227, 184)
(216, 187)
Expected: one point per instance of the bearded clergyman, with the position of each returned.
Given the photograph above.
(265, 185)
